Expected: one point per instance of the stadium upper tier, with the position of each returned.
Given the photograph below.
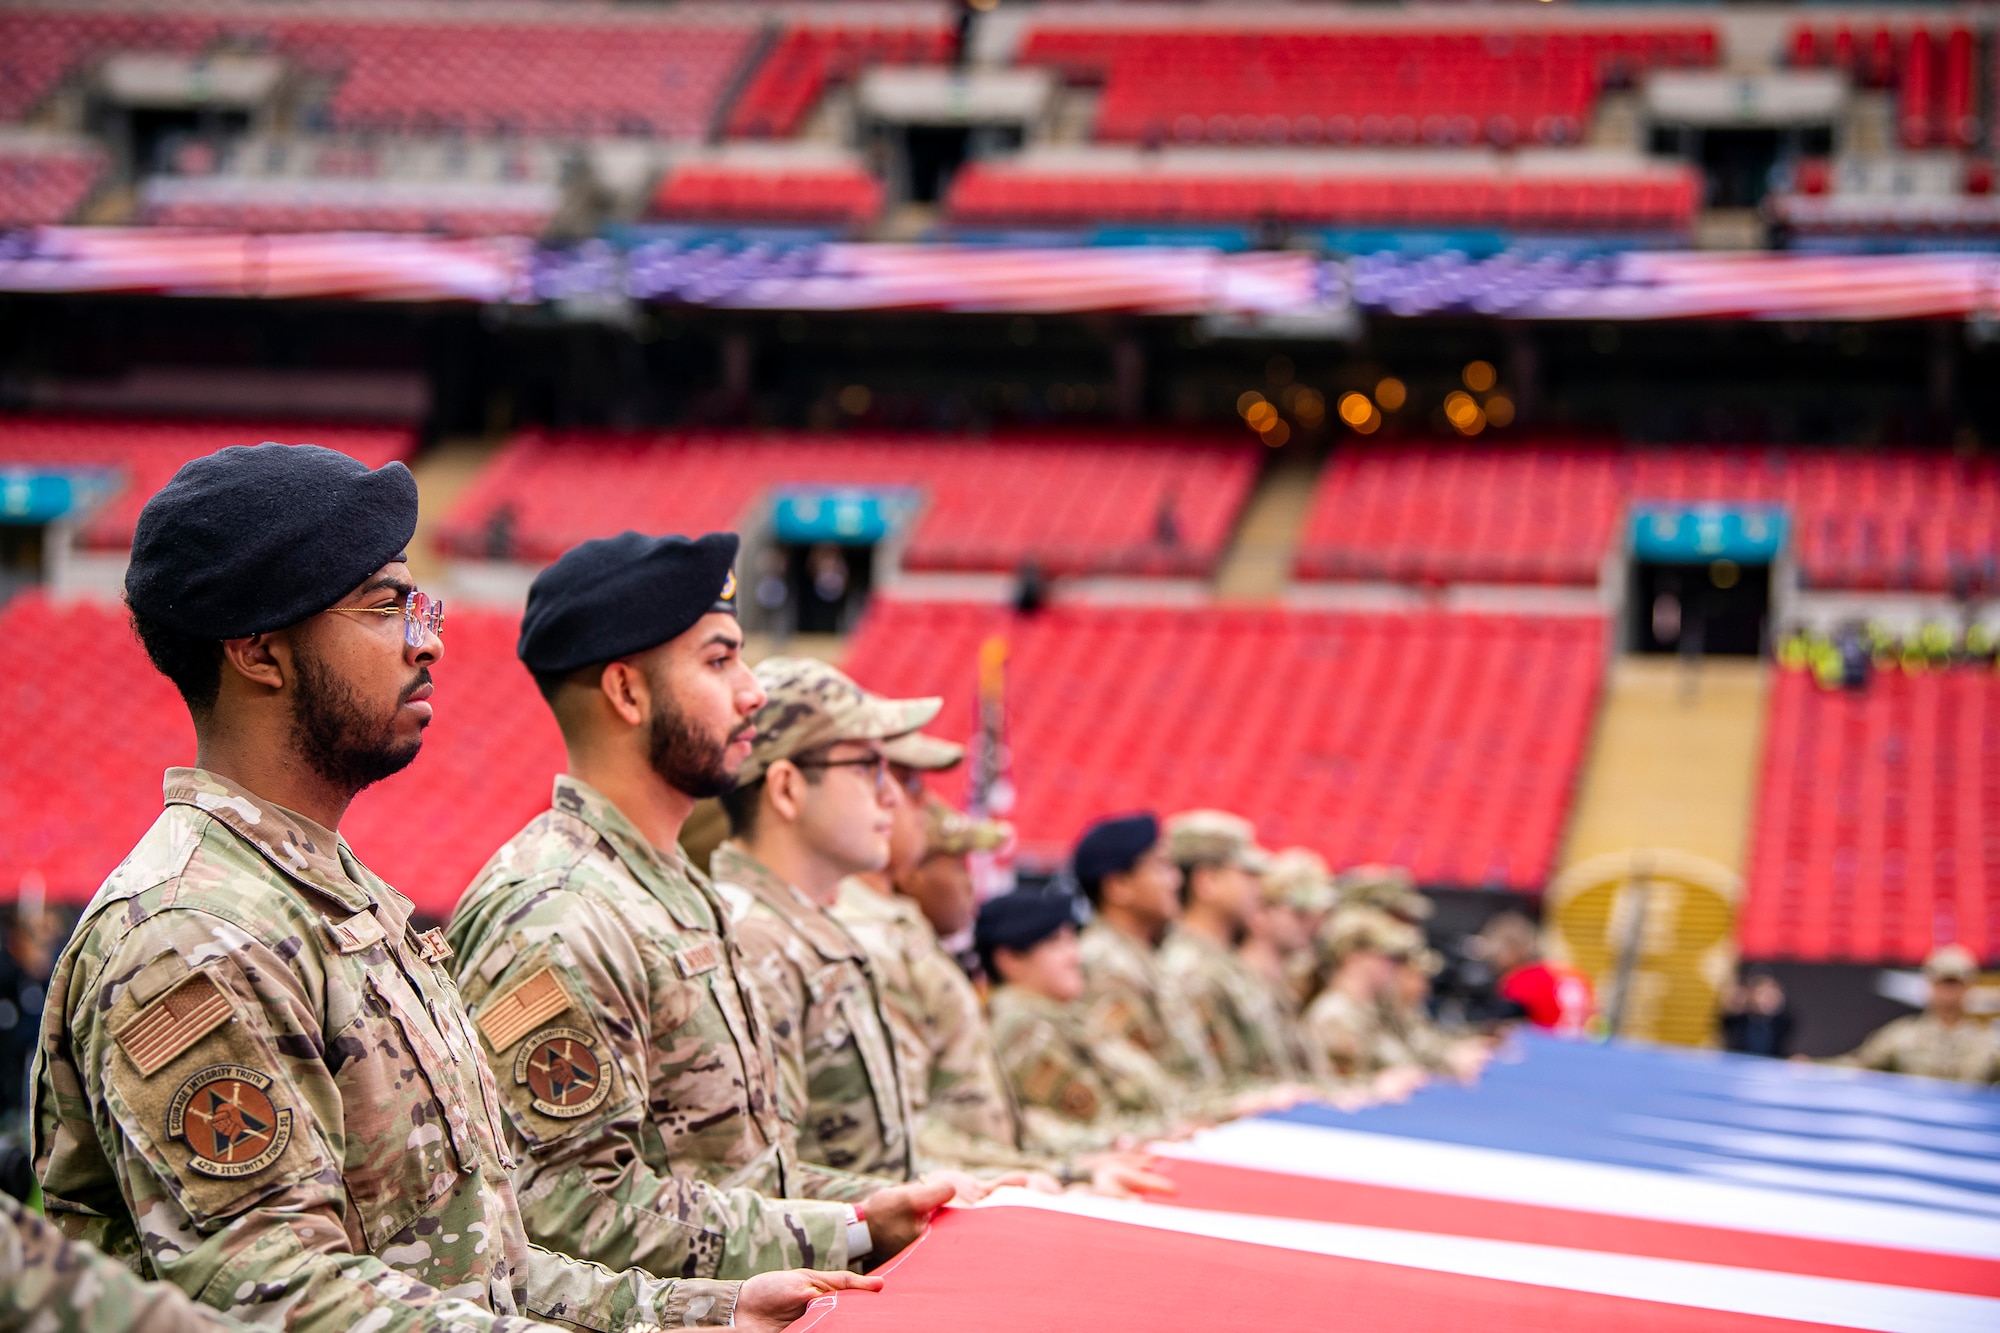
(81, 753)
(1549, 514)
(789, 81)
(1874, 836)
(1075, 503)
(1449, 744)
(45, 178)
(535, 70)
(1493, 83)
(144, 455)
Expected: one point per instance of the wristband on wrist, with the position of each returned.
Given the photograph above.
(860, 1243)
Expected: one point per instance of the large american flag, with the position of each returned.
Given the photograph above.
(1576, 1188)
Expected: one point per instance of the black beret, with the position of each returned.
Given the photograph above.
(1113, 845)
(1022, 919)
(257, 537)
(613, 596)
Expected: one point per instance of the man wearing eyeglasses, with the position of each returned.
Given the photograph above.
(256, 1077)
(603, 977)
(813, 804)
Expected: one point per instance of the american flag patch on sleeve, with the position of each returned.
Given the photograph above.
(512, 1016)
(174, 1022)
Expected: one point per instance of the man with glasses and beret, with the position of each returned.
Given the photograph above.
(813, 804)
(605, 981)
(257, 1080)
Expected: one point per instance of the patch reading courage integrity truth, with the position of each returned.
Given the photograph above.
(564, 1071)
(224, 1115)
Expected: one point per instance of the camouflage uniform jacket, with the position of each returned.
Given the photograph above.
(53, 1284)
(1070, 1078)
(1357, 1042)
(964, 1113)
(837, 1067)
(260, 1082)
(580, 941)
(1919, 1044)
(1428, 1043)
(1251, 1038)
(1128, 1002)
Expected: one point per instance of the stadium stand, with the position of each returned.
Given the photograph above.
(145, 454)
(1934, 75)
(1873, 837)
(840, 193)
(1449, 744)
(1075, 503)
(1928, 194)
(444, 207)
(44, 179)
(1498, 85)
(1552, 191)
(1547, 514)
(809, 56)
(536, 70)
(82, 748)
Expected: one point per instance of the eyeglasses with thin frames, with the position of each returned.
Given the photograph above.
(878, 762)
(422, 614)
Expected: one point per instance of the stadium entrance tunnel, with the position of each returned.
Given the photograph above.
(38, 507)
(1701, 579)
(818, 564)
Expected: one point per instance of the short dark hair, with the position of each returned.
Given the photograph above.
(740, 804)
(1093, 889)
(548, 682)
(1187, 869)
(192, 663)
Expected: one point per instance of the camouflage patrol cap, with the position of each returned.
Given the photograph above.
(1390, 888)
(928, 754)
(1215, 837)
(812, 705)
(1952, 962)
(1370, 930)
(947, 832)
(1298, 876)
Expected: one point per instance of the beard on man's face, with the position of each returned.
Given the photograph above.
(339, 737)
(688, 761)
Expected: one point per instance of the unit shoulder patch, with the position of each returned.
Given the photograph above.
(225, 1116)
(508, 1017)
(563, 1070)
(172, 1023)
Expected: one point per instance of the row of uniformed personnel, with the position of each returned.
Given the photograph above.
(611, 1094)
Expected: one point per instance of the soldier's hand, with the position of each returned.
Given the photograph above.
(1129, 1176)
(1397, 1082)
(968, 1188)
(897, 1215)
(770, 1302)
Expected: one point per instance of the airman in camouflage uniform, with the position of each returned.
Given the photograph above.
(1347, 1019)
(1943, 1041)
(587, 947)
(52, 1284)
(837, 1061)
(1070, 1080)
(257, 1079)
(1249, 1034)
(1134, 888)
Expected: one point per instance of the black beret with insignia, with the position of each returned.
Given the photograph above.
(614, 596)
(1020, 920)
(1112, 846)
(253, 538)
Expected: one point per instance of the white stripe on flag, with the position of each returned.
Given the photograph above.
(1861, 1305)
(1555, 1182)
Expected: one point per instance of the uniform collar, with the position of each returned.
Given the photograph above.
(1028, 1001)
(309, 853)
(864, 900)
(665, 872)
(731, 864)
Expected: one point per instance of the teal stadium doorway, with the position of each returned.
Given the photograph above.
(821, 565)
(1701, 579)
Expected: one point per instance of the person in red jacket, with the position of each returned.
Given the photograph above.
(1554, 997)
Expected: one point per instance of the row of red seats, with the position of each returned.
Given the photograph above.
(1550, 514)
(790, 81)
(81, 753)
(39, 189)
(1450, 744)
(999, 195)
(1344, 86)
(536, 75)
(1934, 75)
(1873, 838)
(1077, 503)
(238, 215)
(145, 454)
(844, 195)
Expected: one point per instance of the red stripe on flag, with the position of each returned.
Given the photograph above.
(1003, 1270)
(1235, 1189)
